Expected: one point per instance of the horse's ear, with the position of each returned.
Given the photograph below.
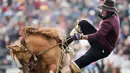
(9, 47)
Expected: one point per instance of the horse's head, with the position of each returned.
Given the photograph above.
(19, 53)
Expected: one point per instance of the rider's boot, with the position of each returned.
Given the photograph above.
(72, 68)
(76, 29)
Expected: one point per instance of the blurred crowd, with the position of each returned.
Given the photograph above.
(62, 14)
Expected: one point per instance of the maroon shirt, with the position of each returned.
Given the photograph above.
(108, 33)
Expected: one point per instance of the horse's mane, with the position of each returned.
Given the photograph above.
(47, 32)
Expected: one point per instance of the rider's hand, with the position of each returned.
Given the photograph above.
(77, 36)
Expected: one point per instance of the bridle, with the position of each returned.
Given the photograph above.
(32, 61)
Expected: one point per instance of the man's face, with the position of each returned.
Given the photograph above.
(104, 13)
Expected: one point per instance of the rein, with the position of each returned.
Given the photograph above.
(53, 47)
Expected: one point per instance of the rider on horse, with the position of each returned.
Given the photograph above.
(102, 41)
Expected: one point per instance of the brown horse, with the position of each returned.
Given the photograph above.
(39, 50)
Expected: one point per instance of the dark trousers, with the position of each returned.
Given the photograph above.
(96, 52)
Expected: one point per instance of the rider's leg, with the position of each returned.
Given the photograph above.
(86, 27)
(82, 26)
(93, 54)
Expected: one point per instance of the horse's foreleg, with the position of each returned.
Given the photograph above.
(52, 68)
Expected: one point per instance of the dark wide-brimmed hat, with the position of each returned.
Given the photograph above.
(109, 5)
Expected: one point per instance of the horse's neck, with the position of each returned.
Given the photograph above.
(39, 43)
